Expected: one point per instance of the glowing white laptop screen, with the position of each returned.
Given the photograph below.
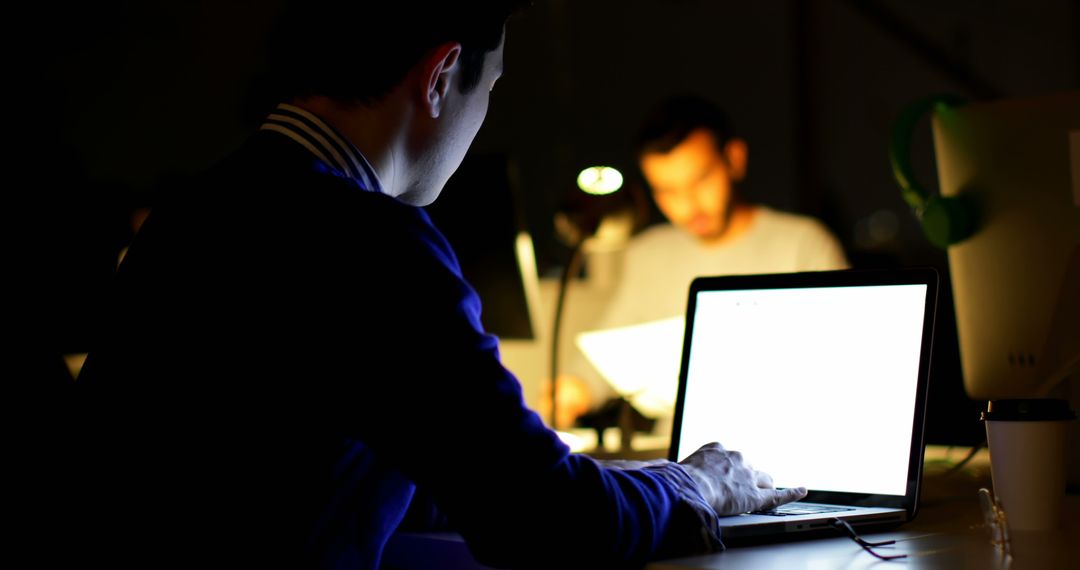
(815, 386)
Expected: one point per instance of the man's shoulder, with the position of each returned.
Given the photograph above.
(784, 217)
(271, 193)
(813, 245)
(658, 235)
(273, 161)
(272, 170)
(789, 223)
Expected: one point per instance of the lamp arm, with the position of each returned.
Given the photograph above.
(571, 269)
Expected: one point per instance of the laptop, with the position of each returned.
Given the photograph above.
(818, 379)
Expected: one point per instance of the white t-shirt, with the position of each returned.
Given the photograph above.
(659, 264)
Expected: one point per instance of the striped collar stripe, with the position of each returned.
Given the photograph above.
(327, 146)
(324, 142)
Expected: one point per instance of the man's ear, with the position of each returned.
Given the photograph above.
(437, 68)
(736, 153)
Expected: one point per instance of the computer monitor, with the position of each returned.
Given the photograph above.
(479, 212)
(1016, 280)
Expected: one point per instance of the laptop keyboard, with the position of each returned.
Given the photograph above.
(791, 509)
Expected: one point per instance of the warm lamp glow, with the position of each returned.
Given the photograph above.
(599, 180)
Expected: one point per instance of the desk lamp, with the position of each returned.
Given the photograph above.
(599, 216)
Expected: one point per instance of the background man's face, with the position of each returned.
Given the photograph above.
(692, 185)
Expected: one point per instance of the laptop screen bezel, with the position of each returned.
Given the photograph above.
(927, 276)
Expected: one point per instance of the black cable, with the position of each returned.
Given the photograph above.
(843, 526)
(967, 459)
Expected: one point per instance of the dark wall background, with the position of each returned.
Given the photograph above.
(117, 99)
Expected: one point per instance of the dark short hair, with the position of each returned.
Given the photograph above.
(357, 51)
(672, 120)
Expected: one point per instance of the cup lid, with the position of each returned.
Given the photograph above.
(1032, 410)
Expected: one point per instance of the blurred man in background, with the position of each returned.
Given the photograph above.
(693, 162)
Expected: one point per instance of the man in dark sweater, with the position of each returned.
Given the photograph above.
(292, 351)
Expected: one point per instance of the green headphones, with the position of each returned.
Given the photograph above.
(945, 220)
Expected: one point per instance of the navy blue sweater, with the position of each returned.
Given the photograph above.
(289, 357)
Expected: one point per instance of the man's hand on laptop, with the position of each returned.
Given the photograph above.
(733, 487)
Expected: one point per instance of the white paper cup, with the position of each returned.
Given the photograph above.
(1027, 460)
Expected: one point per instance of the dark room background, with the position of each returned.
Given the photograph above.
(116, 100)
